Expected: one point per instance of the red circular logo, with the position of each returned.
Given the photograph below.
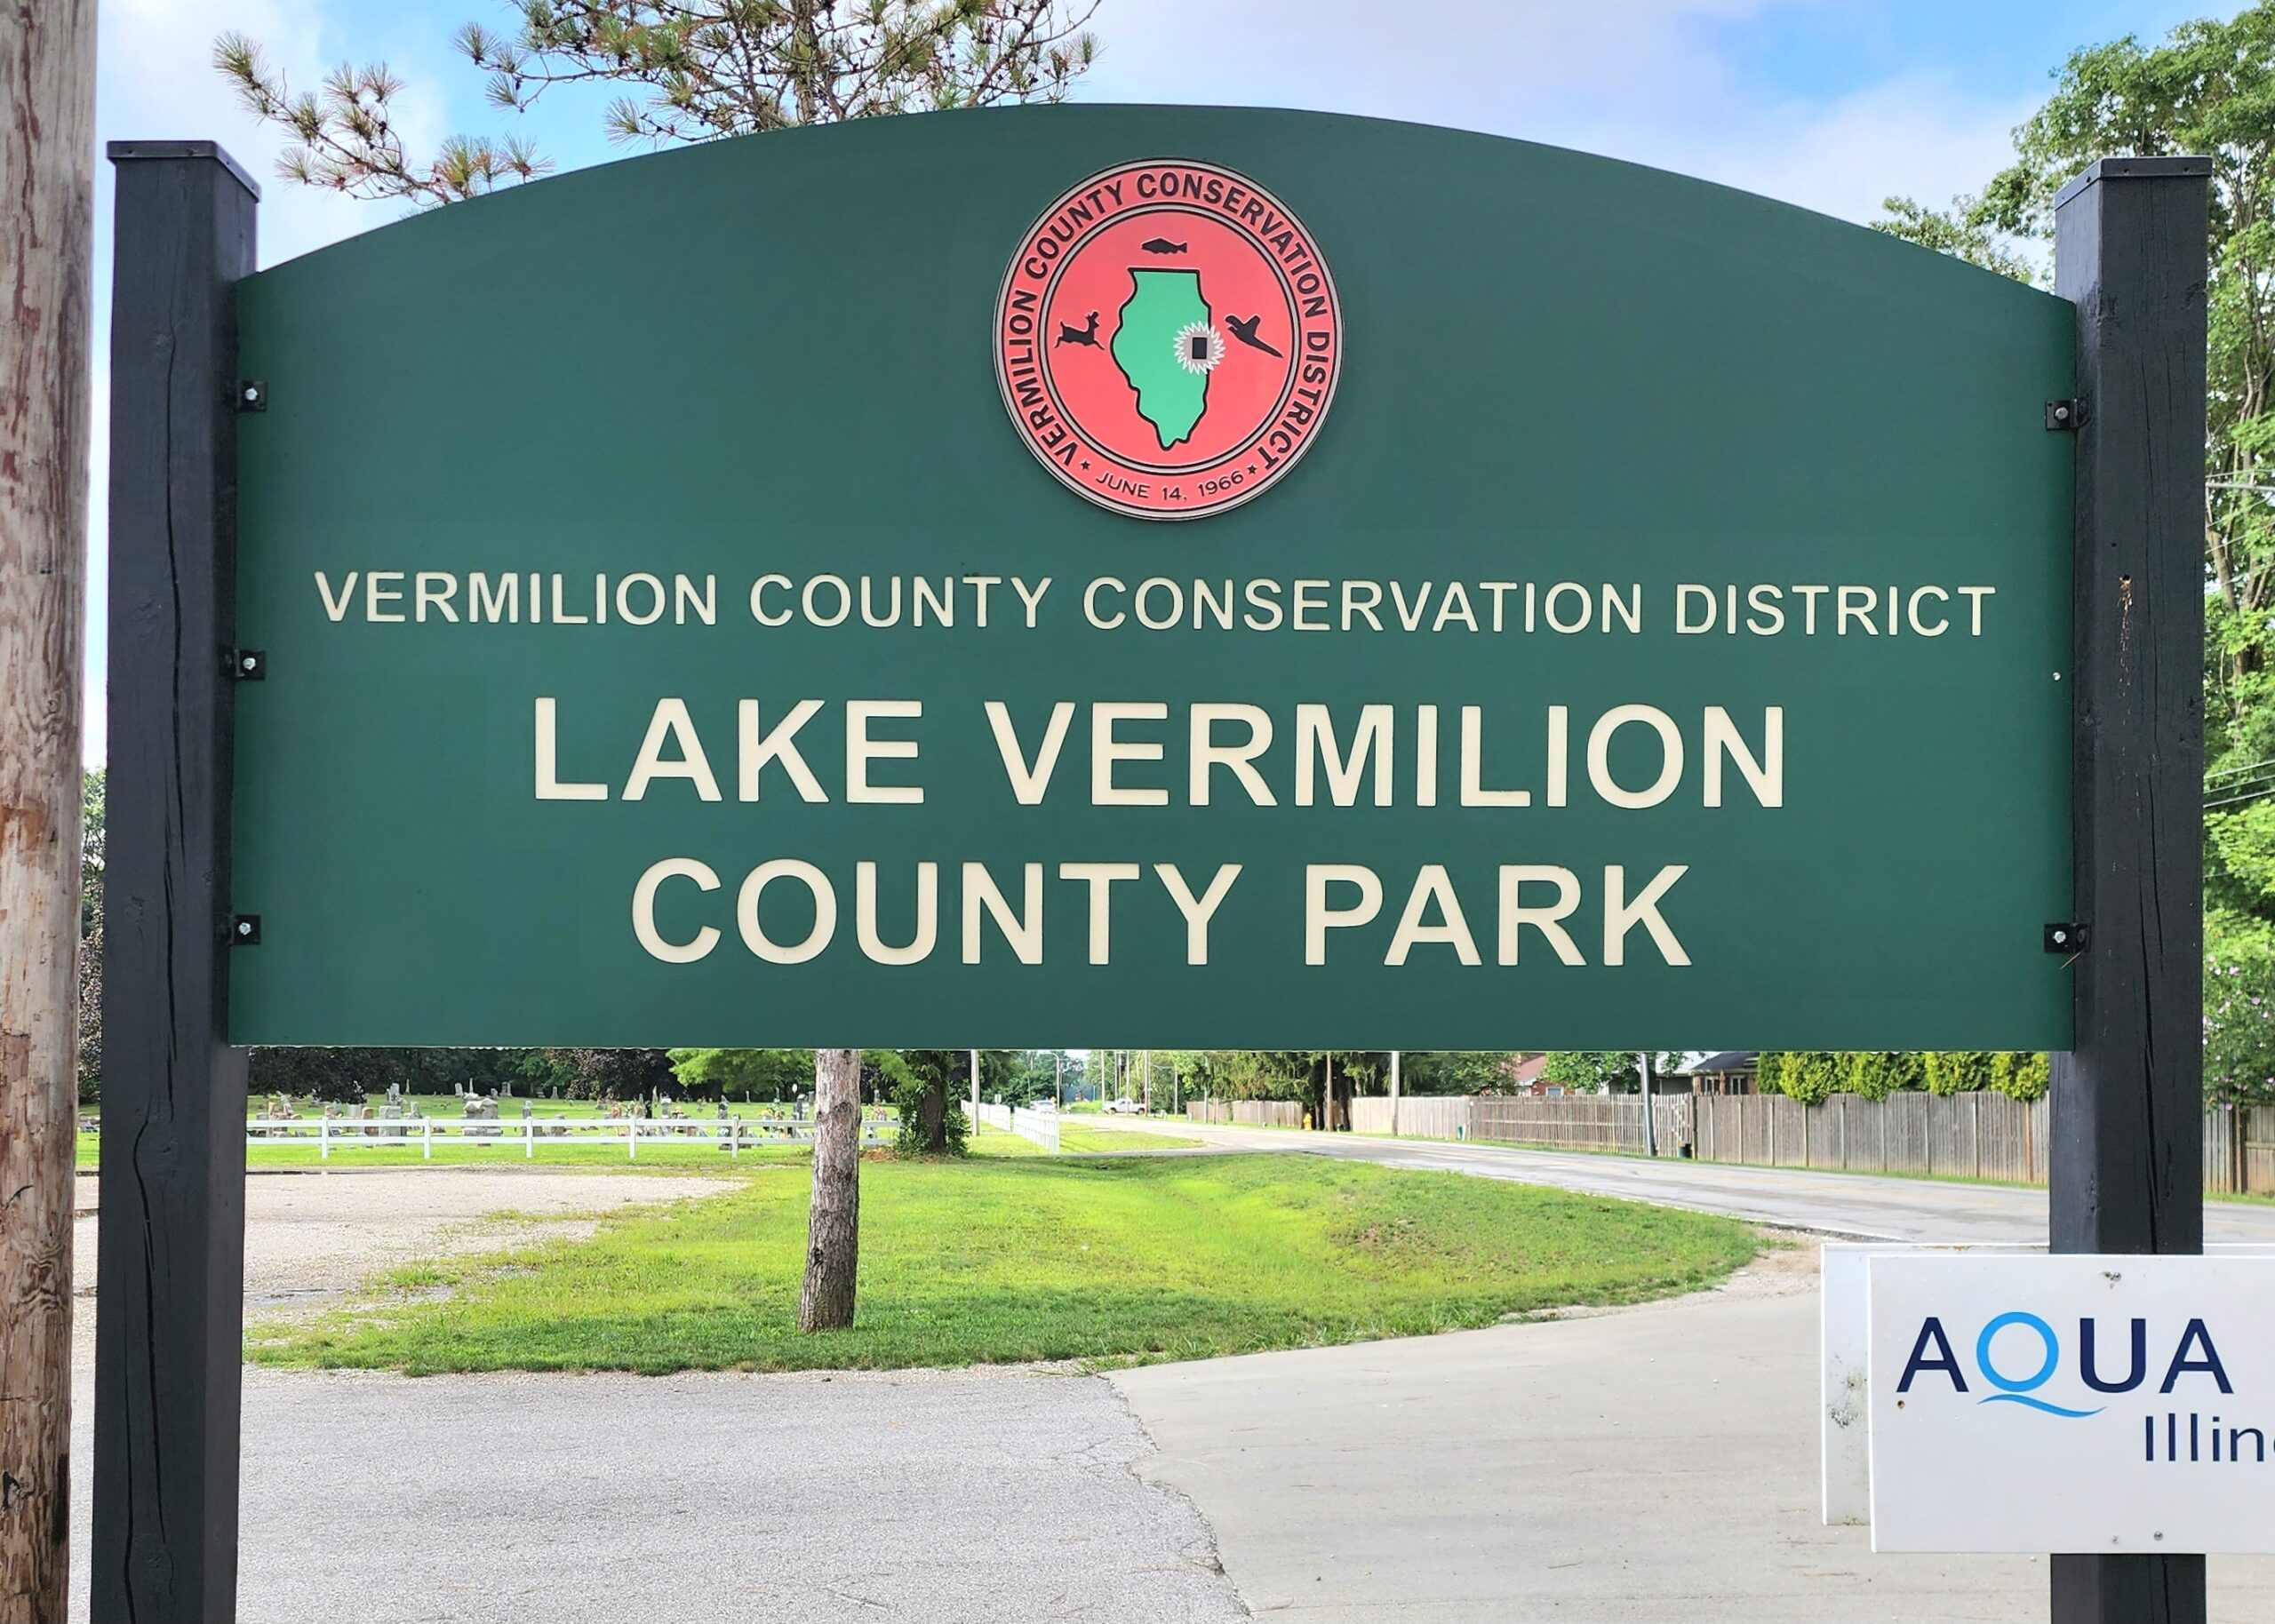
(1168, 338)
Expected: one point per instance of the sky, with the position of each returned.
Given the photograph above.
(1829, 104)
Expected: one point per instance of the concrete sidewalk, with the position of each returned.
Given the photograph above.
(1657, 1464)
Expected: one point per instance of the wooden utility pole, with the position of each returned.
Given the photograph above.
(46, 237)
(2127, 1166)
(833, 1221)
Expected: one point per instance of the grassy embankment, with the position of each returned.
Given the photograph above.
(987, 1261)
(1076, 1139)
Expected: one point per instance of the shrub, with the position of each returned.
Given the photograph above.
(1961, 1072)
(1811, 1076)
(2021, 1077)
(1876, 1073)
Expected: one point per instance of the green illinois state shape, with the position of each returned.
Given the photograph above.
(1172, 391)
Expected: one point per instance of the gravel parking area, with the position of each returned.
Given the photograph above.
(1000, 1495)
(311, 1237)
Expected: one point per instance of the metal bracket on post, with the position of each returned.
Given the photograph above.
(252, 395)
(247, 666)
(2065, 937)
(2126, 1169)
(2064, 415)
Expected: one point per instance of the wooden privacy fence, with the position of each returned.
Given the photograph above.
(1956, 1136)
(2239, 1150)
(1251, 1113)
(1419, 1116)
(1953, 1136)
(1967, 1136)
(1945, 1136)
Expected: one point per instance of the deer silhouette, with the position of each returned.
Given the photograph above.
(1245, 331)
(1078, 335)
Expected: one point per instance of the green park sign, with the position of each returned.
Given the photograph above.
(714, 598)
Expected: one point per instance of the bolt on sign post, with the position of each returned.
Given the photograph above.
(1250, 579)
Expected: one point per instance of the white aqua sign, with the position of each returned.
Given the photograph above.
(2072, 1404)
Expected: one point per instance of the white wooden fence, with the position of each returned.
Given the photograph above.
(1038, 1127)
(731, 1134)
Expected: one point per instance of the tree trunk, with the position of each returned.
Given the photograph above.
(47, 146)
(834, 1223)
(932, 1118)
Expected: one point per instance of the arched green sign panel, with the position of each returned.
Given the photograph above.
(1126, 573)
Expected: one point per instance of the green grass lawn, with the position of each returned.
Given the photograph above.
(985, 1261)
(1074, 1139)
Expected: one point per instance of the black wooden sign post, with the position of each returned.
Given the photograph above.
(169, 1330)
(2127, 1163)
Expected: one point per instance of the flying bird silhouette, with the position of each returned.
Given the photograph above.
(1245, 331)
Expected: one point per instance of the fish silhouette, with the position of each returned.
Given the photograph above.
(1245, 331)
(1161, 245)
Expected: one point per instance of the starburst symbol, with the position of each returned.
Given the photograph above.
(1200, 348)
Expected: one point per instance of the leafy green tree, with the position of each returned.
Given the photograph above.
(91, 850)
(1964, 231)
(1454, 1071)
(2208, 87)
(696, 70)
(747, 1074)
(2240, 1027)
(929, 1086)
(1612, 1071)
(613, 1074)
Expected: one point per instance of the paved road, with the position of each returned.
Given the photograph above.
(1653, 1466)
(1846, 1204)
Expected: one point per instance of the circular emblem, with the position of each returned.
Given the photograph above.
(1168, 338)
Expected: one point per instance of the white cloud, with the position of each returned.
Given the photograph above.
(1912, 137)
(155, 81)
(1634, 79)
